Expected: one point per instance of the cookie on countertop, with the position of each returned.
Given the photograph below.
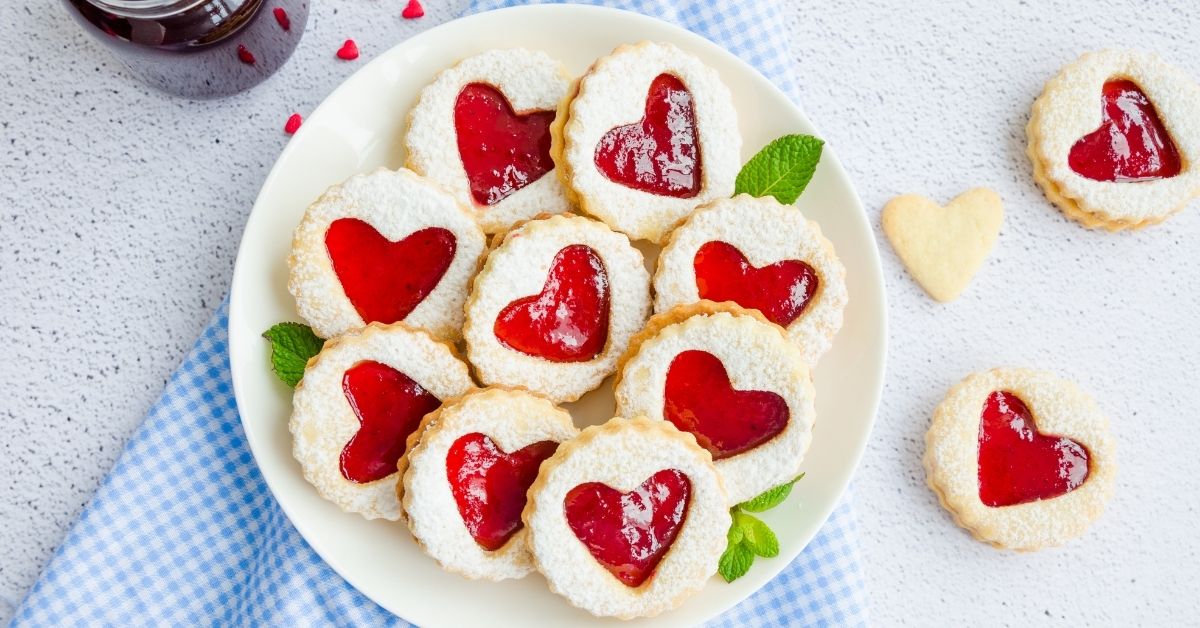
(649, 133)
(1022, 459)
(482, 129)
(384, 247)
(1114, 139)
(629, 519)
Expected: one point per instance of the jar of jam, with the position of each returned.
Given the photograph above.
(196, 48)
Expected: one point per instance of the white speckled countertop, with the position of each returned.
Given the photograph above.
(121, 210)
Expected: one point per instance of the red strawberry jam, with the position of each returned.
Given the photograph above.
(386, 280)
(781, 291)
(389, 406)
(568, 320)
(660, 153)
(489, 485)
(630, 532)
(1018, 464)
(1131, 144)
(699, 399)
(501, 151)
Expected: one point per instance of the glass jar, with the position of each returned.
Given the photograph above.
(196, 48)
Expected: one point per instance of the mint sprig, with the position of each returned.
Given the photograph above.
(750, 536)
(781, 169)
(292, 344)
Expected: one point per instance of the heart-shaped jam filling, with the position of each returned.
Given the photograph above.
(699, 399)
(568, 320)
(501, 151)
(1017, 464)
(1131, 144)
(630, 532)
(660, 153)
(386, 280)
(780, 291)
(489, 485)
(389, 406)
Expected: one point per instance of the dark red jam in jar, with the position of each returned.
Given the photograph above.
(196, 48)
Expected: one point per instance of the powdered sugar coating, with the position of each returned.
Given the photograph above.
(612, 94)
(1070, 108)
(756, 355)
(323, 422)
(623, 453)
(512, 419)
(518, 268)
(396, 203)
(1058, 407)
(765, 232)
(532, 81)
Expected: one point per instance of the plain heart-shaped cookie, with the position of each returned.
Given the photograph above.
(943, 247)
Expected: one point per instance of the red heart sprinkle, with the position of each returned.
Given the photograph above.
(413, 11)
(348, 51)
(281, 16)
(244, 55)
(293, 124)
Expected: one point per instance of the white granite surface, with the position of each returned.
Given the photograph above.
(121, 209)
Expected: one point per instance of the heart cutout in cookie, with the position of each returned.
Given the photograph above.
(389, 406)
(629, 533)
(568, 320)
(386, 280)
(700, 399)
(781, 291)
(660, 153)
(943, 247)
(1131, 143)
(1018, 464)
(489, 485)
(501, 151)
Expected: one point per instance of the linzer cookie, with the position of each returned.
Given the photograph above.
(1114, 139)
(628, 519)
(384, 247)
(761, 255)
(731, 378)
(360, 399)
(555, 305)
(482, 130)
(1022, 459)
(649, 133)
(466, 473)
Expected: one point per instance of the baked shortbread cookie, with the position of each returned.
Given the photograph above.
(359, 400)
(761, 255)
(1115, 139)
(649, 133)
(628, 519)
(482, 130)
(384, 247)
(1021, 458)
(731, 378)
(555, 305)
(465, 476)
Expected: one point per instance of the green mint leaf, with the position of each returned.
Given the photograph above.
(756, 535)
(735, 562)
(292, 344)
(781, 169)
(770, 498)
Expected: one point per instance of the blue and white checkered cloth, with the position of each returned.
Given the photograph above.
(185, 532)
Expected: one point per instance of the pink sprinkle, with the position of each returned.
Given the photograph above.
(293, 124)
(244, 55)
(413, 11)
(348, 51)
(281, 16)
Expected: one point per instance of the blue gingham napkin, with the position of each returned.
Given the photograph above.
(184, 530)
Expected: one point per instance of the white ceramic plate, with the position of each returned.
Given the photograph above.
(359, 127)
